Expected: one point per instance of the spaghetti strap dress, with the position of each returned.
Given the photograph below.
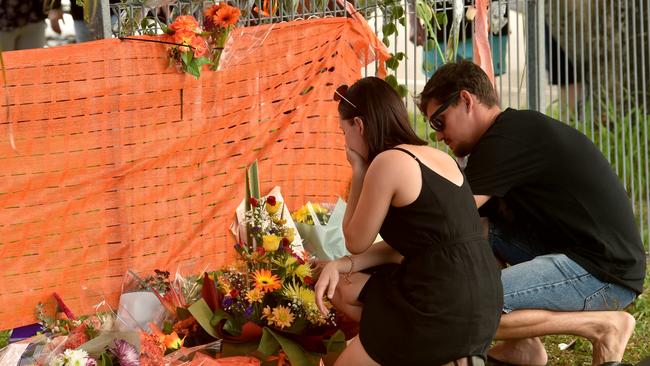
(444, 300)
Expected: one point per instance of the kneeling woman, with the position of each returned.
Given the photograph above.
(437, 297)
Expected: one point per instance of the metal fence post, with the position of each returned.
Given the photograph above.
(535, 53)
(101, 22)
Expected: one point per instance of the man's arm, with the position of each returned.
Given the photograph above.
(481, 199)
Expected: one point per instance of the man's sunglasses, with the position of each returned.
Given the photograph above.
(339, 94)
(434, 121)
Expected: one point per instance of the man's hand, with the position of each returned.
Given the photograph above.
(54, 16)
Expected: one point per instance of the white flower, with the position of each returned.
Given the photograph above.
(74, 358)
(59, 360)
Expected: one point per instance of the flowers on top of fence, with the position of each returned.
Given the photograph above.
(190, 45)
(219, 20)
(193, 46)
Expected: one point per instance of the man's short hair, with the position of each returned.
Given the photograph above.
(456, 76)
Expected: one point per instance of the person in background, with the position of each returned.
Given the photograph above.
(22, 22)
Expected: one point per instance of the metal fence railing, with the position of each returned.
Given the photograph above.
(584, 62)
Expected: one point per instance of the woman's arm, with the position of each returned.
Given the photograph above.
(377, 254)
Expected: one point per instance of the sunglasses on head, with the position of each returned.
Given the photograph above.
(434, 121)
(339, 94)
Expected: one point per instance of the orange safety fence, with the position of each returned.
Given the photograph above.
(122, 163)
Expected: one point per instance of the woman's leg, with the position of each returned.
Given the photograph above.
(354, 354)
(347, 294)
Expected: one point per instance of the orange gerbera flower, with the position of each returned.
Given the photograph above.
(226, 16)
(184, 37)
(184, 22)
(266, 281)
(200, 47)
(211, 11)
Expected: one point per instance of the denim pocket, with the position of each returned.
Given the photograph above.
(609, 297)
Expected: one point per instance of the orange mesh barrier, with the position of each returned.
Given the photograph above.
(121, 162)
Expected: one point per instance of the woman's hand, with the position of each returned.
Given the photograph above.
(327, 282)
(358, 162)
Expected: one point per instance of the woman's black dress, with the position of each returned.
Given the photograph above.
(444, 301)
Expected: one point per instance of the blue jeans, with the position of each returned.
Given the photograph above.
(538, 278)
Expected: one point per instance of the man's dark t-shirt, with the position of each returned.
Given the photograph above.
(555, 180)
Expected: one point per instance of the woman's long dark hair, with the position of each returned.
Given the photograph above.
(386, 121)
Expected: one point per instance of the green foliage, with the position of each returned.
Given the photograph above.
(4, 338)
(393, 14)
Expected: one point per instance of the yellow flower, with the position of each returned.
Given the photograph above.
(289, 234)
(279, 221)
(302, 271)
(173, 341)
(302, 215)
(300, 294)
(271, 242)
(282, 316)
(255, 295)
(273, 209)
(266, 312)
(266, 281)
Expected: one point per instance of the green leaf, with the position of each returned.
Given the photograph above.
(400, 55)
(202, 61)
(427, 66)
(268, 344)
(203, 315)
(230, 326)
(392, 80)
(423, 11)
(386, 41)
(182, 313)
(105, 360)
(402, 90)
(392, 63)
(187, 57)
(194, 69)
(389, 29)
(254, 180)
(402, 21)
(398, 12)
(296, 355)
(441, 18)
(336, 343)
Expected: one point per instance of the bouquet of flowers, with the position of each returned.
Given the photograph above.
(189, 45)
(265, 301)
(320, 227)
(219, 20)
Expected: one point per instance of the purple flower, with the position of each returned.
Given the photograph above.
(227, 301)
(125, 353)
(248, 312)
(91, 362)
